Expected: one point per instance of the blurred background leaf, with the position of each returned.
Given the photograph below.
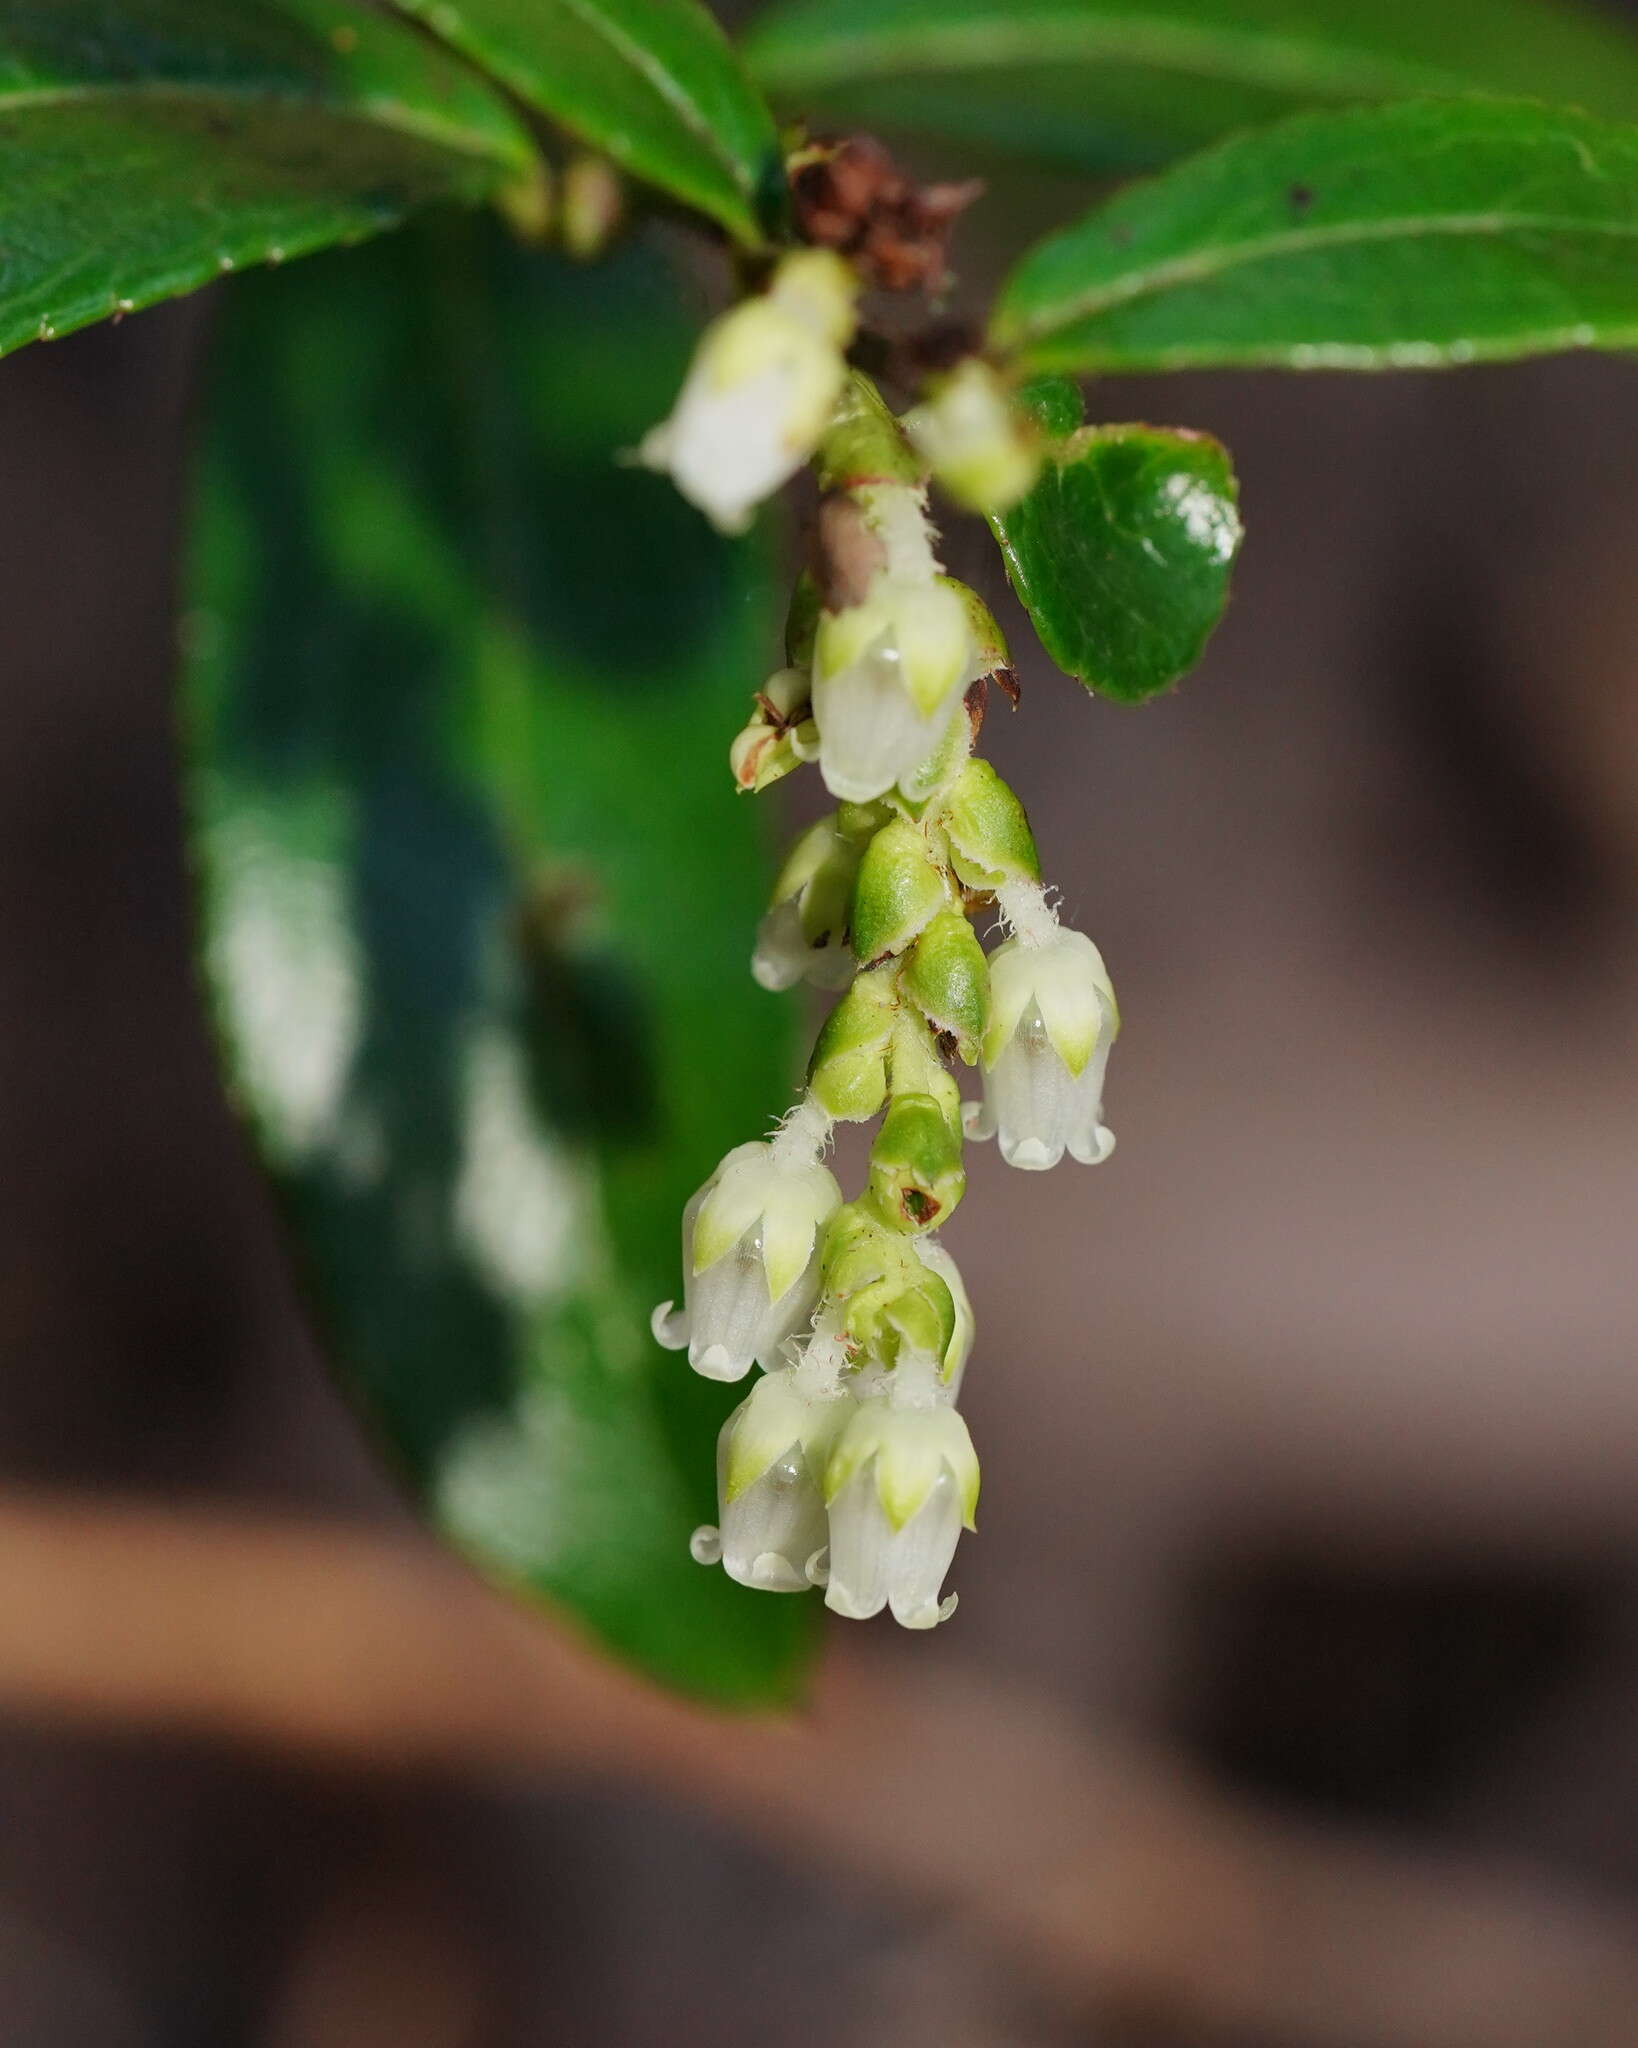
(149, 150)
(1110, 85)
(1436, 231)
(654, 83)
(478, 896)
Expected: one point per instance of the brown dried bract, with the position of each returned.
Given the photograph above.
(978, 696)
(852, 197)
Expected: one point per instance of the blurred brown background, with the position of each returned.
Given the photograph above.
(1294, 1694)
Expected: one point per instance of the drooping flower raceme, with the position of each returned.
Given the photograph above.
(760, 391)
(1052, 1023)
(848, 1465)
(750, 1252)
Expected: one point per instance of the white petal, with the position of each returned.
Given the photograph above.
(774, 1526)
(920, 1556)
(1029, 1094)
(781, 956)
(859, 1536)
(870, 733)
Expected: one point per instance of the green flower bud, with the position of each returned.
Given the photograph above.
(888, 1297)
(948, 981)
(528, 204)
(989, 835)
(848, 1072)
(864, 442)
(594, 205)
(914, 1066)
(780, 735)
(900, 888)
(916, 1175)
(985, 451)
(803, 932)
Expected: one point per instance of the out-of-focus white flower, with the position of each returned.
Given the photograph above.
(760, 390)
(984, 453)
(1052, 1023)
(901, 1486)
(771, 1460)
(751, 1251)
(889, 672)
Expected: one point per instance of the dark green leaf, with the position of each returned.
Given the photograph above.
(1112, 84)
(653, 83)
(1440, 231)
(479, 896)
(1122, 551)
(149, 150)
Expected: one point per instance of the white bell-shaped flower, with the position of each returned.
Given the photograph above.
(888, 679)
(760, 390)
(751, 1252)
(771, 1460)
(1052, 1023)
(889, 672)
(901, 1486)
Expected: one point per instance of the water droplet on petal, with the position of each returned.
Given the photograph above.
(705, 1545)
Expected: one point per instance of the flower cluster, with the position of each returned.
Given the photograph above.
(849, 1464)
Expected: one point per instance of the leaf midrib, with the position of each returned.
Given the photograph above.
(1200, 265)
(1248, 57)
(367, 111)
(667, 89)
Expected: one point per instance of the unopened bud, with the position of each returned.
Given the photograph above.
(847, 1074)
(982, 449)
(900, 888)
(989, 835)
(916, 1173)
(594, 205)
(948, 981)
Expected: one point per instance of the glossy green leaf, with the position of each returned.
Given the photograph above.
(1122, 84)
(1122, 551)
(653, 83)
(479, 898)
(149, 150)
(1439, 231)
